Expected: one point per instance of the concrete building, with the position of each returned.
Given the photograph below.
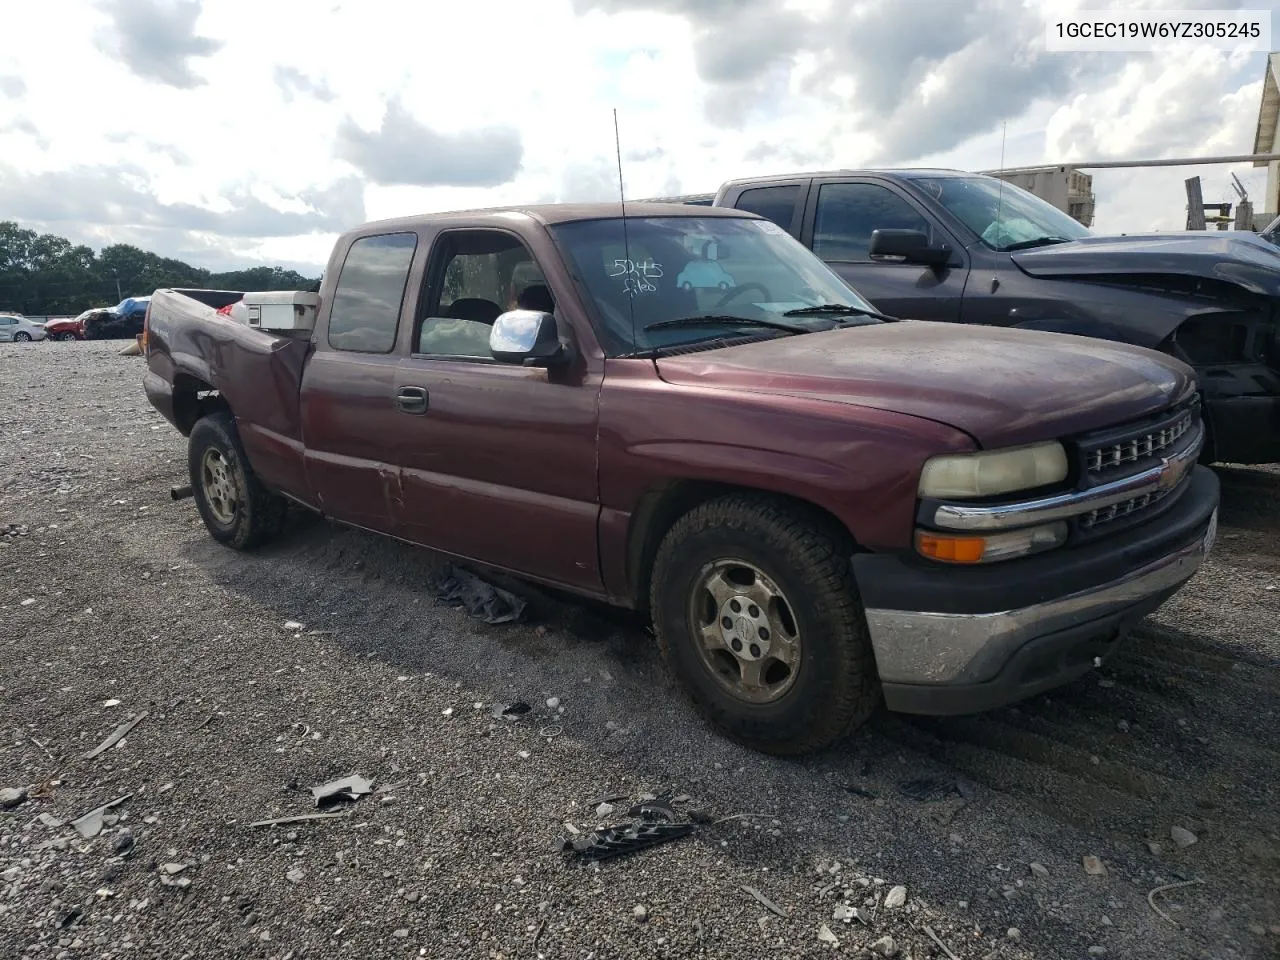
(1267, 139)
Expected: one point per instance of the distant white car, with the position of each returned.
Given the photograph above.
(20, 329)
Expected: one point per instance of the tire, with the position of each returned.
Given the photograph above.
(236, 508)
(22, 337)
(833, 687)
(66, 335)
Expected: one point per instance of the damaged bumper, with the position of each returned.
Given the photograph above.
(951, 641)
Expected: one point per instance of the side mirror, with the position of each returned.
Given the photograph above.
(527, 337)
(911, 246)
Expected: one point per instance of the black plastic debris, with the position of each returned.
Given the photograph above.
(348, 788)
(653, 811)
(509, 711)
(929, 789)
(458, 587)
(625, 838)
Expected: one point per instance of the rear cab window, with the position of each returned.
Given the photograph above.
(369, 294)
(776, 203)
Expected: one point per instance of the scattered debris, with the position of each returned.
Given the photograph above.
(766, 902)
(627, 838)
(1039, 869)
(640, 914)
(604, 810)
(50, 821)
(281, 821)
(885, 947)
(941, 946)
(926, 789)
(1182, 837)
(90, 824)
(826, 936)
(10, 797)
(897, 897)
(478, 598)
(348, 788)
(118, 735)
(123, 841)
(173, 869)
(1168, 886)
(653, 810)
(1094, 867)
(292, 625)
(844, 912)
(510, 711)
(108, 704)
(47, 753)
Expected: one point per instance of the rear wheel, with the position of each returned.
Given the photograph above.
(236, 508)
(757, 615)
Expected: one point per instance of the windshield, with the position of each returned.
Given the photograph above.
(670, 268)
(1001, 214)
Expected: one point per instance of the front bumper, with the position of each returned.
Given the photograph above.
(953, 640)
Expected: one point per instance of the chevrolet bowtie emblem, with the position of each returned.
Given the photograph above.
(1170, 473)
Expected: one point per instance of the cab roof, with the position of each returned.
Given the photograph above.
(551, 214)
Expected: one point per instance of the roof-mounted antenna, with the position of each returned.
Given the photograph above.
(626, 241)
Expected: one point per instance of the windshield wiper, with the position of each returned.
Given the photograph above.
(716, 319)
(1037, 242)
(840, 308)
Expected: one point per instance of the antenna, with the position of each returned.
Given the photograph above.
(1000, 202)
(626, 240)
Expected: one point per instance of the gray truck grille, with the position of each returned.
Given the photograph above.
(1139, 447)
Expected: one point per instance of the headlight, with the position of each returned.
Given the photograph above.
(990, 472)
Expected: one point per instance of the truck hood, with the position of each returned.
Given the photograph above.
(1232, 256)
(1002, 387)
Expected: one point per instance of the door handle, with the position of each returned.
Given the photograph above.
(411, 399)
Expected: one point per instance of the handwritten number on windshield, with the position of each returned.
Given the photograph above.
(638, 275)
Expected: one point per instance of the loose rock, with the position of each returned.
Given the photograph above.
(826, 936)
(885, 947)
(1039, 869)
(10, 797)
(1094, 867)
(896, 898)
(640, 914)
(1182, 837)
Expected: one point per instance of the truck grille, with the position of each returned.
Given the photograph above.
(1125, 508)
(1133, 449)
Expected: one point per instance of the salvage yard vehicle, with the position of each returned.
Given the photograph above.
(15, 328)
(816, 505)
(962, 247)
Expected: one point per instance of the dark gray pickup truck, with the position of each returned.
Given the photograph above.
(961, 247)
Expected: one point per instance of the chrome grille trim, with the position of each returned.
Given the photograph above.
(1151, 443)
(1124, 508)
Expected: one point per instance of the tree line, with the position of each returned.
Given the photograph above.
(46, 275)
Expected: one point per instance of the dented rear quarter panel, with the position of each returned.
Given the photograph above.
(258, 376)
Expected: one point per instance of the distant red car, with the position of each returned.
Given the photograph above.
(71, 329)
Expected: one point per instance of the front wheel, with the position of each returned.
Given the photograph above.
(758, 616)
(66, 335)
(236, 508)
(22, 337)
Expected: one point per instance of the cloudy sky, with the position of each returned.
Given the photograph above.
(231, 132)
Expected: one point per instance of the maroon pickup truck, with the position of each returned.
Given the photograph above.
(686, 412)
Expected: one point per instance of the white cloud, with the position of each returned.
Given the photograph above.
(235, 130)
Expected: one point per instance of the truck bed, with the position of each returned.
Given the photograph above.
(193, 349)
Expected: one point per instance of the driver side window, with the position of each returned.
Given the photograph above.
(478, 275)
(847, 214)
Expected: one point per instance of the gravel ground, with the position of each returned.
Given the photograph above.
(114, 602)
